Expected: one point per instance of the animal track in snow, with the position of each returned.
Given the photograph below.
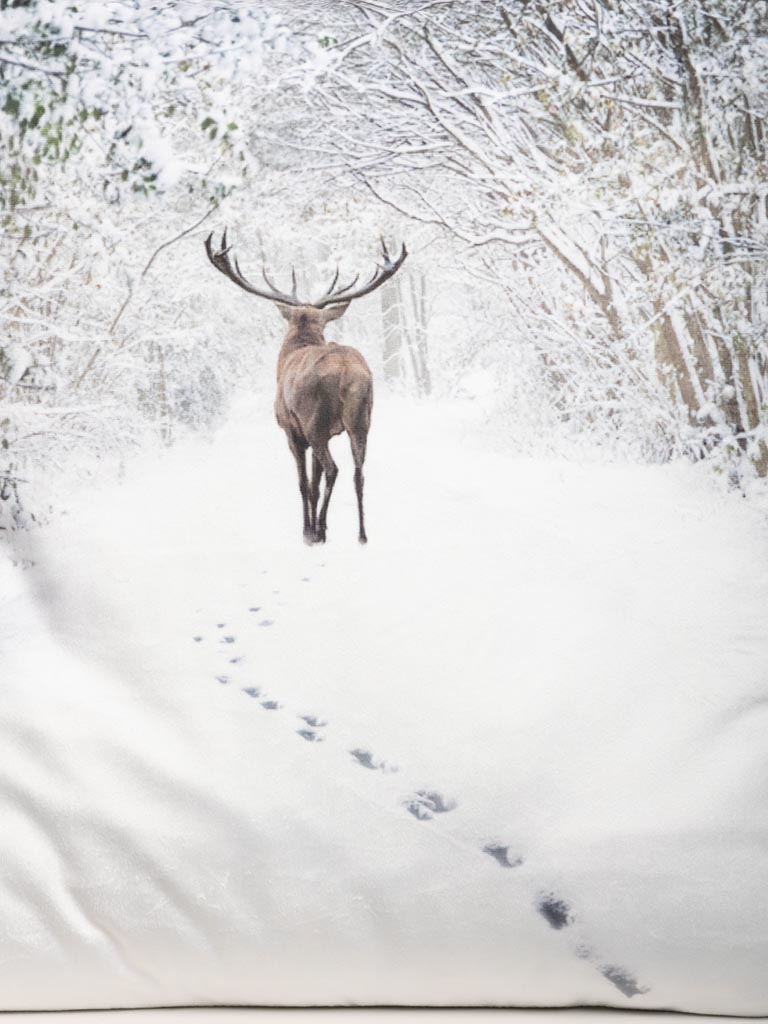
(623, 980)
(558, 914)
(426, 803)
(502, 855)
(255, 692)
(555, 911)
(366, 759)
(311, 734)
(314, 721)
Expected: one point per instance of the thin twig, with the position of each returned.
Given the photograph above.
(150, 261)
(178, 238)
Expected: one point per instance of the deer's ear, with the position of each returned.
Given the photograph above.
(286, 311)
(334, 312)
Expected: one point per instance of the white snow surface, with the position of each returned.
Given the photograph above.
(563, 664)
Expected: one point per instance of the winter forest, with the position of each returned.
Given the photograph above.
(582, 186)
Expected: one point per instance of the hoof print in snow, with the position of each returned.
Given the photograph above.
(228, 639)
(220, 625)
(266, 622)
(366, 759)
(252, 691)
(426, 803)
(502, 855)
(305, 579)
(197, 639)
(222, 679)
(256, 608)
(309, 735)
(623, 980)
(314, 721)
(237, 660)
(555, 912)
(270, 705)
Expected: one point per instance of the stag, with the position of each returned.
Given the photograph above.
(323, 389)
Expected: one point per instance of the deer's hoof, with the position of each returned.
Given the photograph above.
(362, 539)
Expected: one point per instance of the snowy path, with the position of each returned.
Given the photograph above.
(502, 714)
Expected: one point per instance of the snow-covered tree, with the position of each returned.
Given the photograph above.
(120, 136)
(606, 163)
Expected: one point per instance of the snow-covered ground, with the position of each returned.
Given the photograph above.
(511, 751)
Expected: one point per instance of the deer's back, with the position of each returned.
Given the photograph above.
(324, 389)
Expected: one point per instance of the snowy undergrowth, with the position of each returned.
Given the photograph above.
(515, 721)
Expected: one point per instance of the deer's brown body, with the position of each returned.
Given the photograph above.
(323, 389)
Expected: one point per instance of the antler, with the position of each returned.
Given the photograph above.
(332, 296)
(380, 275)
(223, 263)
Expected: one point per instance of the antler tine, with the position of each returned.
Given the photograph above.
(293, 282)
(224, 250)
(331, 292)
(379, 276)
(284, 298)
(223, 263)
(332, 285)
(348, 286)
(221, 260)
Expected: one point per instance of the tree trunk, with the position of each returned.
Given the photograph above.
(392, 319)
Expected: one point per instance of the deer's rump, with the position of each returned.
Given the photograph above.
(325, 391)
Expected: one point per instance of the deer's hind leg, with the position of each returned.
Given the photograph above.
(358, 443)
(314, 490)
(299, 447)
(321, 453)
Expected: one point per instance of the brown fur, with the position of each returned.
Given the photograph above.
(323, 389)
